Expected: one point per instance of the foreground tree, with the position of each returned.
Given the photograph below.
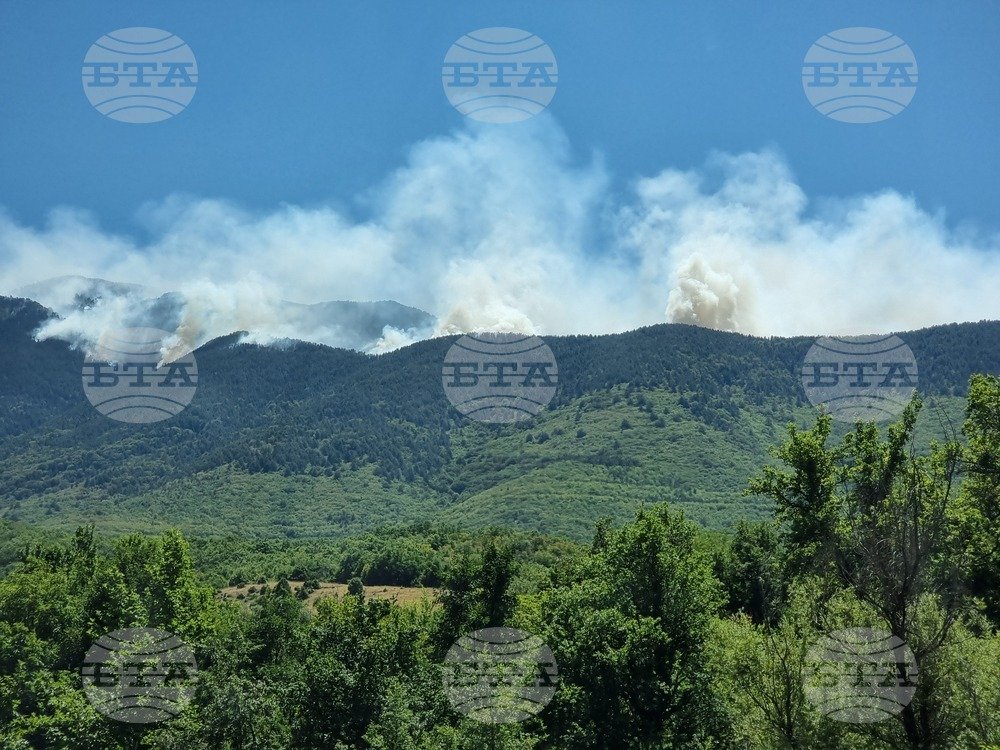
(873, 518)
(629, 635)
(981, 491)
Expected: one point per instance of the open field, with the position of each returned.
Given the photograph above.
(400, 594)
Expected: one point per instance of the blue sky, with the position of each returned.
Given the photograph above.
(319, 105)
(322, 102)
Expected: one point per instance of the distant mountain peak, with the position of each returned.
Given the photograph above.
(345, 324)
(65, 293)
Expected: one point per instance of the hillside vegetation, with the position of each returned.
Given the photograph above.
(304, 441)
(662, 635)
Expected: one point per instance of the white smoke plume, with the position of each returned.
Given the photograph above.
(747, 255)
(505, 228)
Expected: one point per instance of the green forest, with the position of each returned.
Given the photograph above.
(666, 635)
(304, 441)
(522, 375)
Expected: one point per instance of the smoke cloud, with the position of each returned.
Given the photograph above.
(494, 228)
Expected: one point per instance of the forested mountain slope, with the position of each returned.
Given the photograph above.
(305, 440)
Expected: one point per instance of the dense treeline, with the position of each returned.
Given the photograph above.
(417, 555)
(665, 637)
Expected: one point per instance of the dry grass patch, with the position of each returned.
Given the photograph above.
(402, 594)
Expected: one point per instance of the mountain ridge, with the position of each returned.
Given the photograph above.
(349, 324)
(309, 440)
